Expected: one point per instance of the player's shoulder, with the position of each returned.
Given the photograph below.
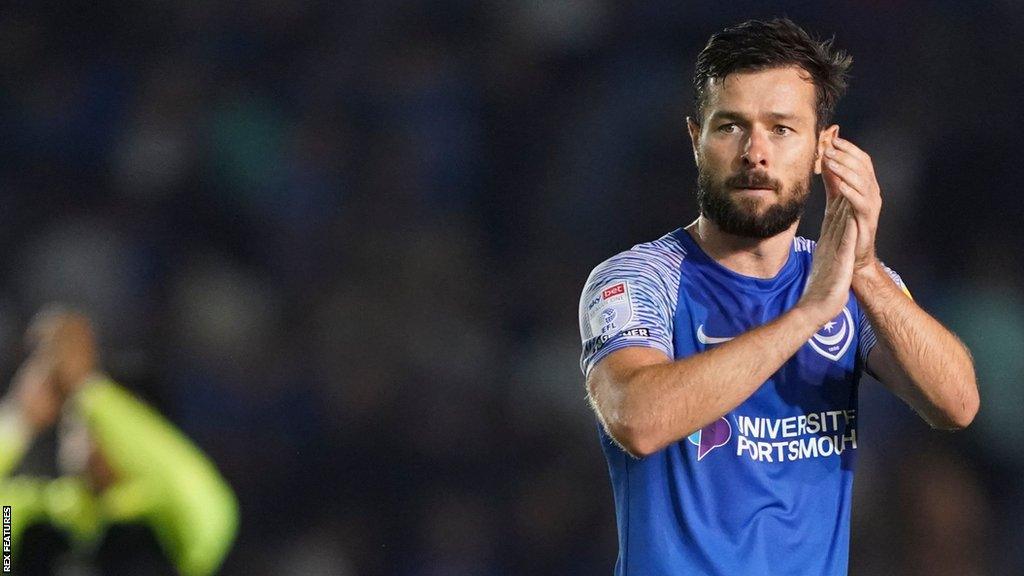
(659, 258)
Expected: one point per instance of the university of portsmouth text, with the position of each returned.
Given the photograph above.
(814, 435)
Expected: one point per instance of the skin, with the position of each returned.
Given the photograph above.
(37, 398)
(917, 358)
(765, 122)
(65, 341)
(63, 356)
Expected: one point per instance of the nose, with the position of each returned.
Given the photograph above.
(755, 150)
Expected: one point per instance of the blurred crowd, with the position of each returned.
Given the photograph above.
(341, 244)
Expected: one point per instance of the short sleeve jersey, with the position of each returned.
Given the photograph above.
(765, 489)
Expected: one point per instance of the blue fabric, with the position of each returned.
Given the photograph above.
(766, 488)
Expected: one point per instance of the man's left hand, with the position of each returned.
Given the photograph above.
(849, 172)
(66, 340)
(35, 393)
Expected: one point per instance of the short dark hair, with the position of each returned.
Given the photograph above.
(758, 45)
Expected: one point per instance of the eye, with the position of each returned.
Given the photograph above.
(783, 130)
(727, 128)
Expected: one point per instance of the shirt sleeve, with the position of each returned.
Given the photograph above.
(66, 502)
(867, 333)
(626, 302)
(162, 478)
(14, 437)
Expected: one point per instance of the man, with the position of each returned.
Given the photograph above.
(125, 464)
(723, 359)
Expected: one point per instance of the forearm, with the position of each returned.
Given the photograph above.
(915, 356)
(649, 407)
(151, 460)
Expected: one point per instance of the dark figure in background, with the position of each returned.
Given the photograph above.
(136, 493)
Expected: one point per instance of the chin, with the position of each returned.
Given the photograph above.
(754, 206)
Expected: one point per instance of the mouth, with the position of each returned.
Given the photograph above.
(755, 185)
(754, 190)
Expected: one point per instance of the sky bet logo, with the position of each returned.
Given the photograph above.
(619, 288)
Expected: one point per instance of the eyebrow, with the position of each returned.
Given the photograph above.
(731, 115)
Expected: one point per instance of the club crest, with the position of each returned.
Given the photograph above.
(834, 338)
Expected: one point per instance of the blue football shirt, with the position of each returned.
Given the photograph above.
(766, 488)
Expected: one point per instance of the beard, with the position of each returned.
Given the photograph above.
(738, 215)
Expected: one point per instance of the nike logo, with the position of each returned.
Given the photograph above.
(705, 339)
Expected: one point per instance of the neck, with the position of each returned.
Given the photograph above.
(756, 257)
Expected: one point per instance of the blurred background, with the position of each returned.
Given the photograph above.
(341, 245)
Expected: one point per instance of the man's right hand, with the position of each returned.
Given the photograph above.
(828, 286)
(67, 341)
(35, 394)
(646, 400)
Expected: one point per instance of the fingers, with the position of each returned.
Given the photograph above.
(846, 158)
(836, 222)
(66, 342)
(861, 203)
(38, 397)
(847, 169)
(843, 219)
(864, 204)
(851, 149)
(849, 213)
(852, 165)
(854, 176)
(841, 234)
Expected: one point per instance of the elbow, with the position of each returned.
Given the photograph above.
(634, 440)
(970, 402)
(962, 415)
(628, 415)
(636, 446)
(970, 397)
(968, 409)
(954, 422)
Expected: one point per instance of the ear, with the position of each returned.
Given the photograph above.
(824, 143)
(694, 130)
